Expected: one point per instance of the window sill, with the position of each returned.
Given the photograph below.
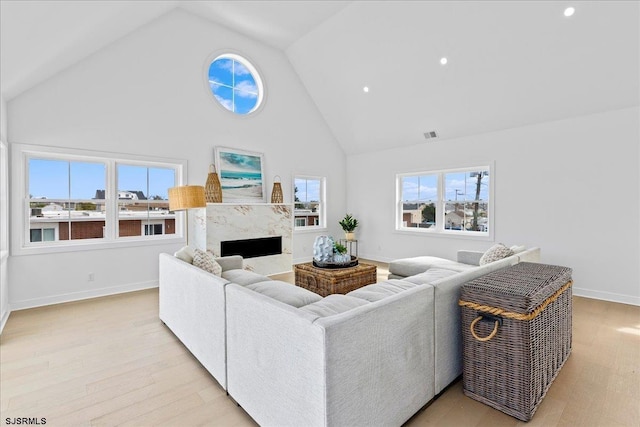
(446, 234)
(306, 230)
(97, 245)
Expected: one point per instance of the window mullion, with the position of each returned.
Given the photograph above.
(111, 201)
(440, 206)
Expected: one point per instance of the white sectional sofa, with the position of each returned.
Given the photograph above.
(290, 357)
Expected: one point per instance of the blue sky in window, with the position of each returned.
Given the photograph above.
(60, 179)
(423, 188)
(134, 178)
(50, 179)
(464, 184)
(233, 85)
(307, 190)
(458, 186)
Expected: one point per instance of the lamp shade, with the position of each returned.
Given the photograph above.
(186, 197)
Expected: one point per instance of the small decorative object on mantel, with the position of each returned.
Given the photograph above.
(276, 194)
(349, 224)
(213, 190)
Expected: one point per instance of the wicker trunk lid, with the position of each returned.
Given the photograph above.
(516, 335)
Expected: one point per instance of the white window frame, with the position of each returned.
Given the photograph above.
(322, 212)
(440, 202)
(20, 211)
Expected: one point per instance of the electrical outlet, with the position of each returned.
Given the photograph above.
(91, 277)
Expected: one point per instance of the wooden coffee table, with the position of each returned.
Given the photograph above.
(326, 281)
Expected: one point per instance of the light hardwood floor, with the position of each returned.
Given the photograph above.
(110, 361)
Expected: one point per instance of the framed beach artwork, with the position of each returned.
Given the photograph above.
(241, 175)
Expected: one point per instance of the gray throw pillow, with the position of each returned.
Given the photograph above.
(207, 262)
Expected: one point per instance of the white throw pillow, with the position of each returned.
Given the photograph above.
(495, 253)
(186, 254)
(207, 262)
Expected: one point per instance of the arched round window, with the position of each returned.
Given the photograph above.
(235, 83)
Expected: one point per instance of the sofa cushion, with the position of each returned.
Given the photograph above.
(333, 304)
(416, 265)
(186, 254)
(517, 249)
(430, 276)
(494, 253)
(207, 262)
(243, 277)
(381, 290)
(285, 292)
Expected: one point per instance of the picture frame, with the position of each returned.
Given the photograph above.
(241, 175)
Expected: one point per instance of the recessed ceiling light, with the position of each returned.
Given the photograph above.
(569, 11)
(365, 89)
(443, 61)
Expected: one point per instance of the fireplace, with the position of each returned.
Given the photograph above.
(252, 248)
(261, 233)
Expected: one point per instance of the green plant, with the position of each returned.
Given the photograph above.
(348, 223)
(339, 249)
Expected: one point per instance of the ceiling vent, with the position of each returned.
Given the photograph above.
(430, 135)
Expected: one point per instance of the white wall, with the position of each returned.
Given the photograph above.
(4, 241)
(4, 229)
(570, 187)
(3, 119)
(146, 94)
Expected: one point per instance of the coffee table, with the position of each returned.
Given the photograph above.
(326, 281)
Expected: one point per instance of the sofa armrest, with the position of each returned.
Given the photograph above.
(233, 262)
(469, 257)
(192, 305)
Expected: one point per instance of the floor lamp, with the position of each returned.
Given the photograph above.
(186, 197)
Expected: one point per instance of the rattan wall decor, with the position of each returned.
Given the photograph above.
(276, 194)
(213, 189)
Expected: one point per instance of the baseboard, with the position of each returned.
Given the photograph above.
(375, 258)
(302, 260)
(77, 296)
(3, 320)
(606, 296)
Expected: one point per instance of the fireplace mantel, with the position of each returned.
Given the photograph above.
(223, 222)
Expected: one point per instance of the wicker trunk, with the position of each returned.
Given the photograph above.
(516, 327)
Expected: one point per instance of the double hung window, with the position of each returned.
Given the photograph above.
(71, 198)
(309, 202)
(447, 201)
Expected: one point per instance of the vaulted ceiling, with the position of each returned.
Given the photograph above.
(510, 63)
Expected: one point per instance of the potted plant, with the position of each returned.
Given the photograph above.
(348, 224)
(340, 253)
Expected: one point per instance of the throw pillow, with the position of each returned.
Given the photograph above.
(207, 262)
(186, 254)
(494, 253)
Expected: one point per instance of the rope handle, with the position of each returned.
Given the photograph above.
(276, 179)
(212, 168)
(488, 337)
